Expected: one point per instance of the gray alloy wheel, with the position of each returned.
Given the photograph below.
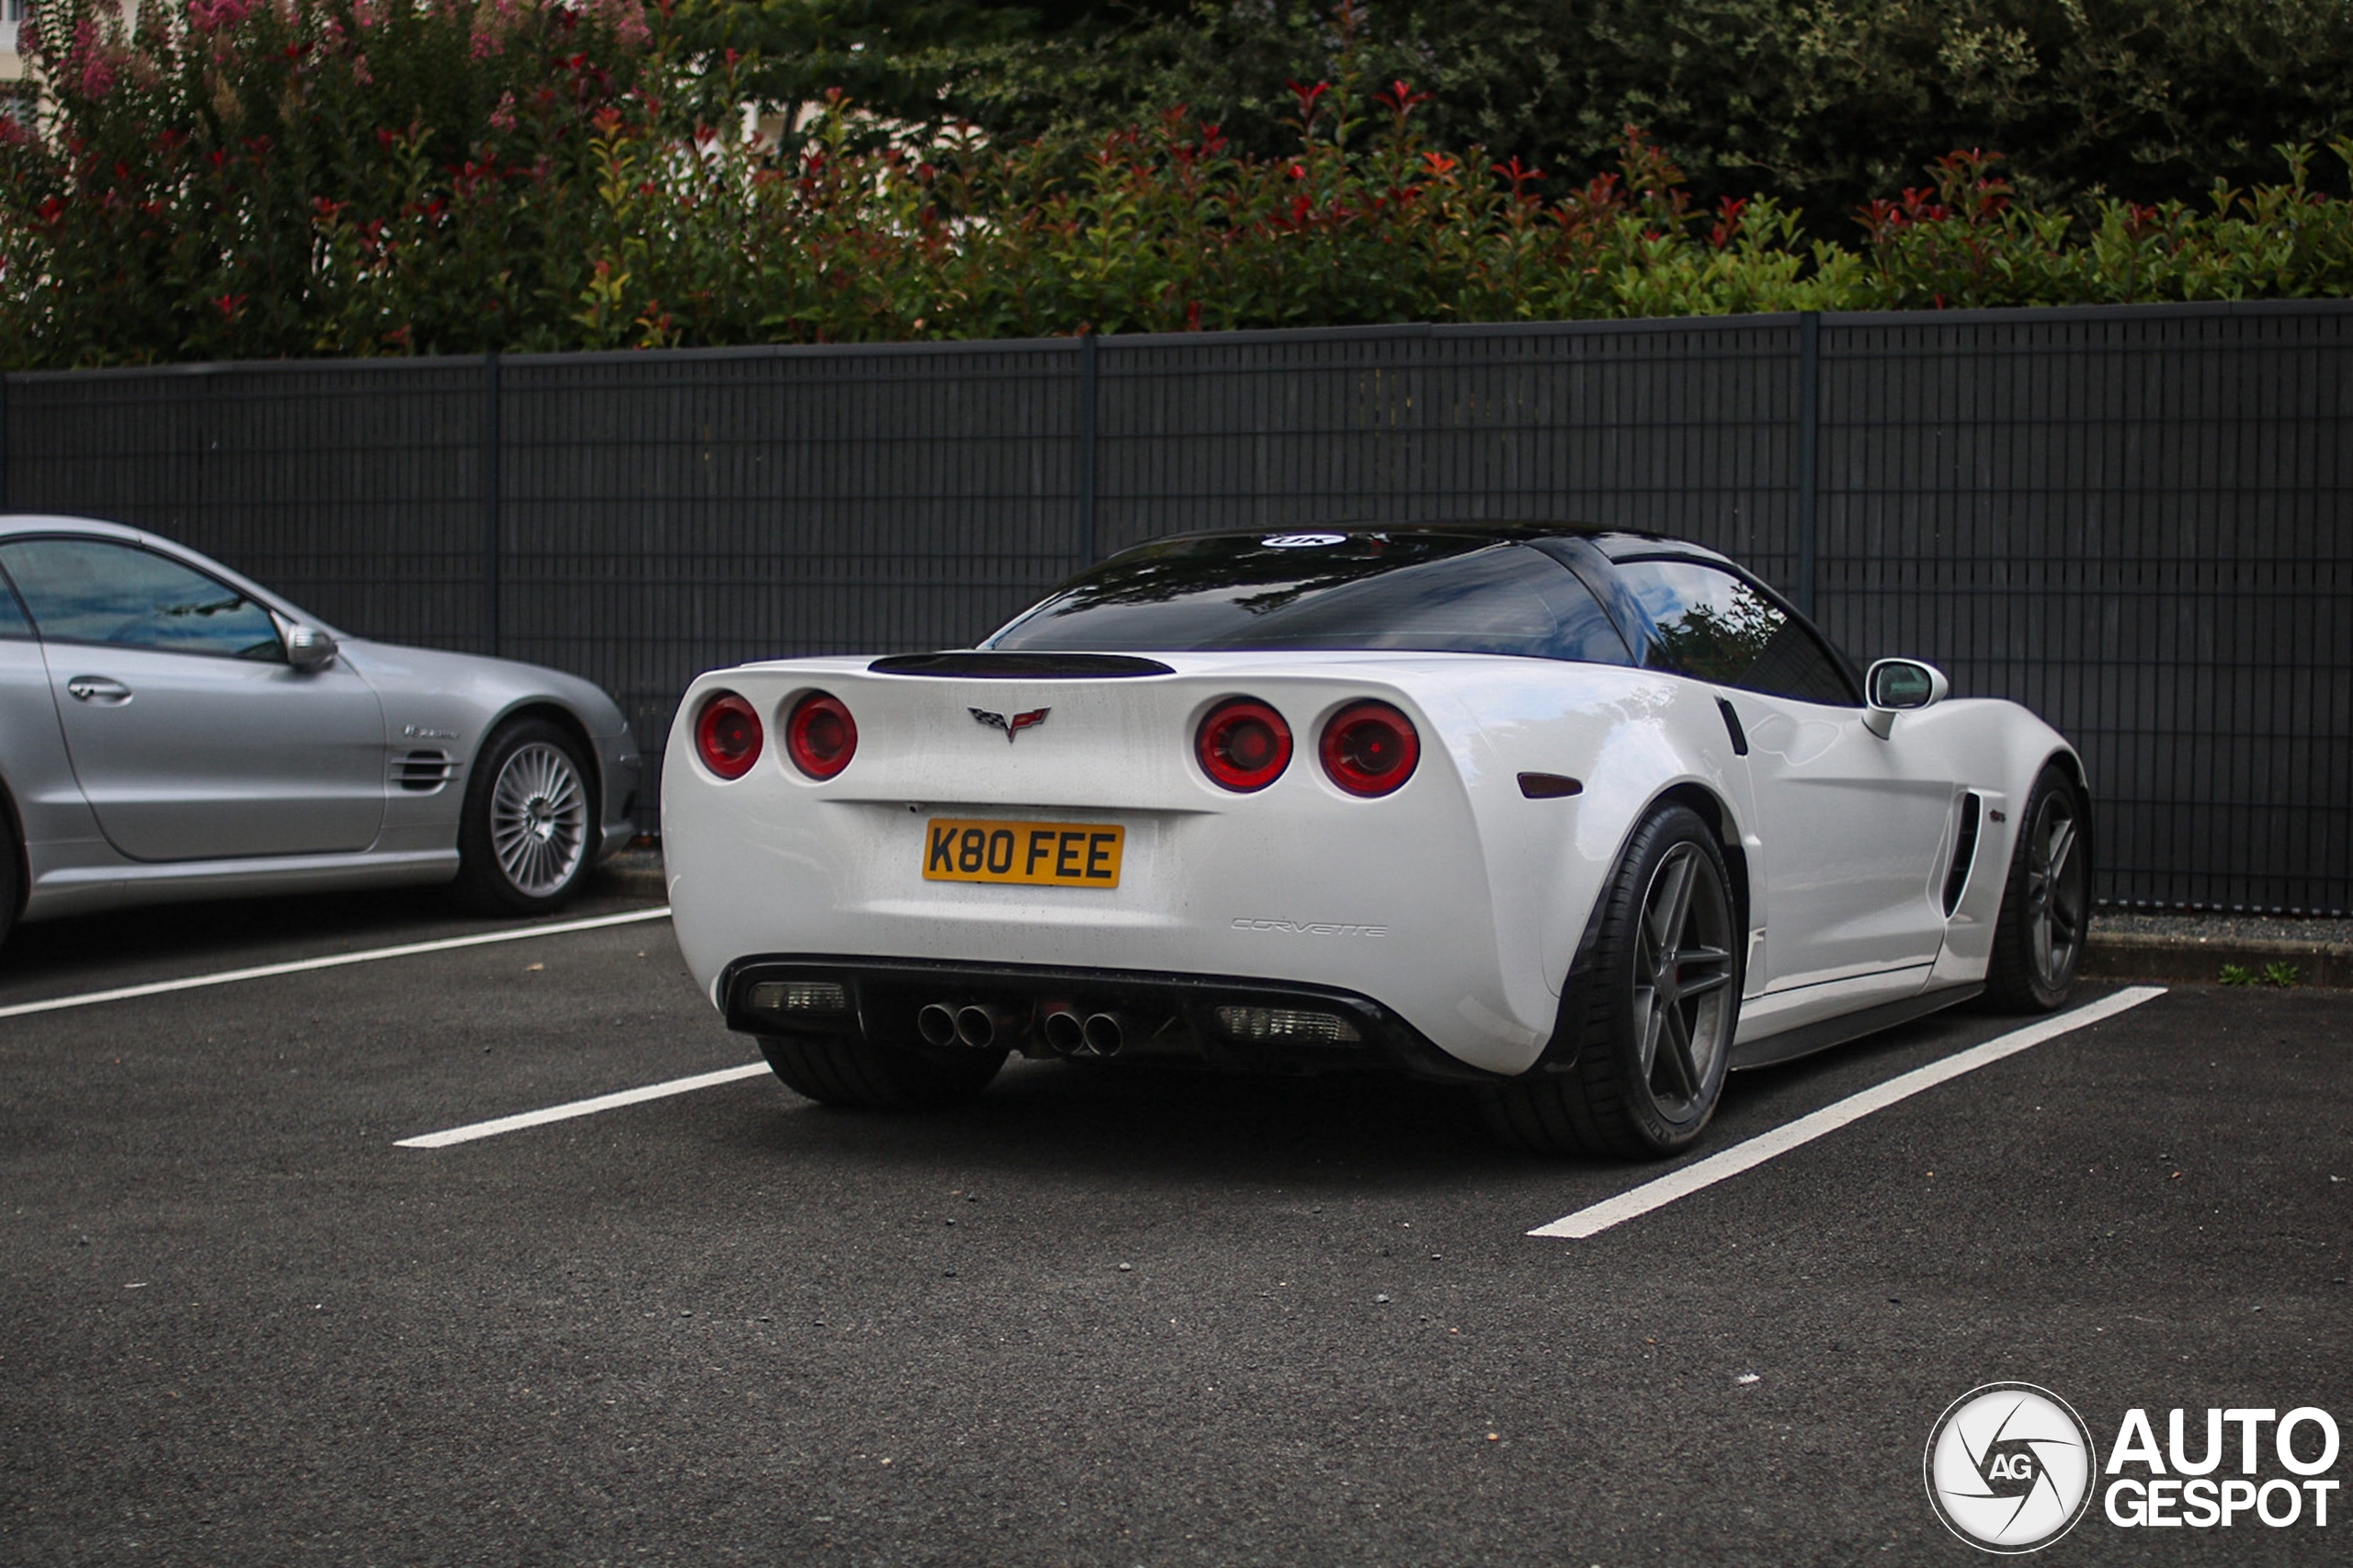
(538, 819)
(2055, 887)
(2046, 902)
(1648, 1014)
(527, 837)
(1682, 967)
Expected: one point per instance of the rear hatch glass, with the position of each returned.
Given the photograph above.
(1418, 591)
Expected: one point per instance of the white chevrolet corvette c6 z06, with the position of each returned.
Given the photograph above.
(1582, 819)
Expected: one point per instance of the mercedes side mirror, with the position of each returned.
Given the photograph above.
(306, 647)
(1894, 685)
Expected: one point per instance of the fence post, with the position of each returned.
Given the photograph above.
(490, 543)
(1809, 428)
(1086, 448)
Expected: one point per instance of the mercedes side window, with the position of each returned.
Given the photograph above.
(1708, 624)
(87, 590)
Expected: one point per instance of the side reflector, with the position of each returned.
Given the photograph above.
(1549, 786)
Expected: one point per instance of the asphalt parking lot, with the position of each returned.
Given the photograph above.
(1105, 1317)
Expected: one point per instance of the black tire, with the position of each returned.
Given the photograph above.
(528, 834)
(1651, 1042)
(869, 1075)
(12, 881)
(2046, 900)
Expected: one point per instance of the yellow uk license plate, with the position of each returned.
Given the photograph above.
(1033, 854)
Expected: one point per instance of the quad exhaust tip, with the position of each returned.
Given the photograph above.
(1066, 1032)
(977, 1026)
(984, 1027)
(1104, 1033)
(1071, 1033)
(937, 1024)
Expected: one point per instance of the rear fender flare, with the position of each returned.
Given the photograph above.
(1560, 1052)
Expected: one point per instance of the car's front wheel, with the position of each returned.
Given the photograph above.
(875, 1076)
(2046, 901)
(1652, 1008)
(524, 842)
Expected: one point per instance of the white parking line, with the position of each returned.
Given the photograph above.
(337, 960)
(1706, 1172)
(521, 1119)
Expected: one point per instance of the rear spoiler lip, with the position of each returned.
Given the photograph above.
(978, 663)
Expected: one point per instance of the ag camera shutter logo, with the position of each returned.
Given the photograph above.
(2009, 1467)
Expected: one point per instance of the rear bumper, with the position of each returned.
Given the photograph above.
(1169, 1018)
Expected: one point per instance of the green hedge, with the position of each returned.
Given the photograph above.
(371, 177)
(1821, 104)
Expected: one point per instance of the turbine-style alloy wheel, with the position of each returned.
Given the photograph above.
(538, 819)
(528, 835)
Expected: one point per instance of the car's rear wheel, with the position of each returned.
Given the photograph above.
(2046, 900)
(1652, 1008)
(872, 1075)
(524, 842)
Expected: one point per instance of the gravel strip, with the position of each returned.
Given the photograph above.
(2196, 927)
(635, 872)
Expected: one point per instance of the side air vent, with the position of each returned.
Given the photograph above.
(421, 772)
(1964, 851)
(987, 665)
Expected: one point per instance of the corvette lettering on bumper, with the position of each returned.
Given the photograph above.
(1307, 928)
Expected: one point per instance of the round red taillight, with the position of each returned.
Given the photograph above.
(820, 736)
(727, 734)
(1370, 748)
(1243, 745)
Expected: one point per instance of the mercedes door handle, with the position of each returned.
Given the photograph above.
(99, 690)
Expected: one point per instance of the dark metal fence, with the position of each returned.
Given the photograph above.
(2135, 520)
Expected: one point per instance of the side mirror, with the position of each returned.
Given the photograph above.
(306, 647)
(1894, 685)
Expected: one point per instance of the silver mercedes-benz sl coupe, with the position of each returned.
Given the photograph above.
(170, 730)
